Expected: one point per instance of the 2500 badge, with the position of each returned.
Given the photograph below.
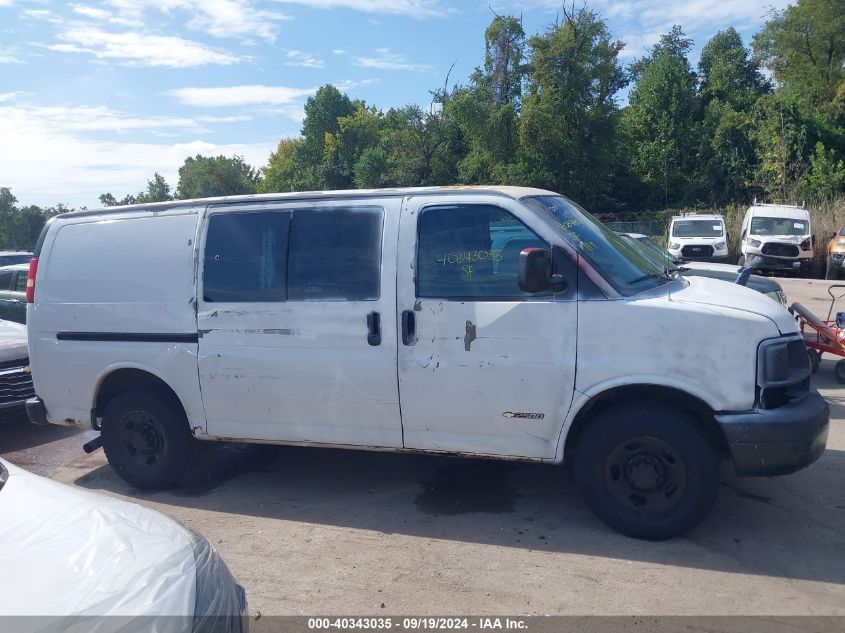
(523, 416)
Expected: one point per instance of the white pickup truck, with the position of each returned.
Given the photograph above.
(498, 322)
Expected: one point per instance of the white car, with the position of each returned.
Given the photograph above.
(460, 320)
(698, 237)
(776, 237)
(68, 553)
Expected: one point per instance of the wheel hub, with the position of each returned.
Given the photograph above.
(645, 472)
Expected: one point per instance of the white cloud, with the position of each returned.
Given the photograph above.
(301, 58)
(388, 60)
(137, 49)
(411, 8)
(91, 12)
(45, 15)
(9, 58)
(338, 51)
(645, 20)
(47, 159)
(219, 18)
(248, 95)
(13, 96)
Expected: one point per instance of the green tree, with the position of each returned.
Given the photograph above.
(315, 164)
(661, 119)
(280, 173)
(487, 112)
(569, 113)
(780, 137)
(804, 47)
(826, 177)
(730, 84)
(157, 190)
(210, 176)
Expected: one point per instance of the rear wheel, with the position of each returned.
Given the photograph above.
(830, 271)
(647, 471)
(147, 440)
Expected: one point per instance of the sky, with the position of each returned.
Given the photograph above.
(98, 95)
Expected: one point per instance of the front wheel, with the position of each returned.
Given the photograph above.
(815, 359)
(146, 439)
(647, 471)
(839, 370)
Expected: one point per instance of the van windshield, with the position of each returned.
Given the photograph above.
(697, 228)
(761, 225)
(621, 263)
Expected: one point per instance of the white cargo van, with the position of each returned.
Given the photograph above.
(698, 237)
(495, 322)
(776, 237)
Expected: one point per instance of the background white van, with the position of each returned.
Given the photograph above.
(700, 237)
(469, 320)
(776, 237)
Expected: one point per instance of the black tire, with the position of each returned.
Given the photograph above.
(741, 261)
(839, 371)
(147, 439)
(648, 471)
(815, 359)
(829, 271)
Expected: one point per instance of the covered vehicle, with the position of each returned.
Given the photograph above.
(74, 554)
(723, 272)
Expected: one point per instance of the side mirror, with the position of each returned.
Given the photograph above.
(535, 272)
(832, 236)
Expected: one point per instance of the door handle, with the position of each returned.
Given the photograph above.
(374, 328)
(409, 327)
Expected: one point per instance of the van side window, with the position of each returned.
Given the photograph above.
(335, 254)
(246, 256)
(471, 251)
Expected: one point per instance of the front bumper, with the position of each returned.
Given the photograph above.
(777, 441)
(766, 262)
(36, 411)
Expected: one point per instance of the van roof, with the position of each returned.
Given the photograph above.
(506, 191)
(699, 216)
(779, 211)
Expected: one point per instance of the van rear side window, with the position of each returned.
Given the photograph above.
(300, 255)
(335, 255)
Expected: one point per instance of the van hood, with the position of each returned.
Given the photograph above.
(730, 296)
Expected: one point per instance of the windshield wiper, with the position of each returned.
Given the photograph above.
(649, 276)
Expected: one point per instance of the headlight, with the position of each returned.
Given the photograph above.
(720, 246)
(674, 246)
(754, 243)
(840, 242)
(805, 245)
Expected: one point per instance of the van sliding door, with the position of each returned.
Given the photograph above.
(297, 307)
